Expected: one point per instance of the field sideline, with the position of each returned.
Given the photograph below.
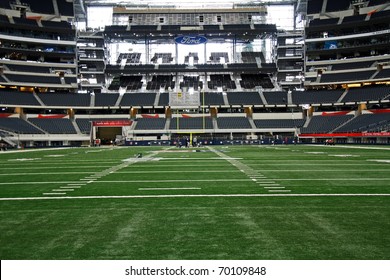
(218, 202)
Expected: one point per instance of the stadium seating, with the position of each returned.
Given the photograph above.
(190, 81)
(150, 124)
(84, 125)
(275, 97)
(314, 7)
(377, 2)
(129, 58)
(212, 98)
(18, 126)
(366, 123)
(138, 99)
(165, 57)
(279, 123)
(215, 57)
(128, 82)
(329, 77)
(351, 65)
(132, 67)
(54, 126)
(316, 96)
(28, 68)
(250, 81)
(191, 123)
(325, 124)
(334, 6)
(65, 8)
(221, 81)
(8, 97)
(164, 99)
(233, 123)
(160, 81)
(366, 94)
(4, 5)
(65, 99)
(39, 8)
(251, 57)
(244, 98)
(106, 100)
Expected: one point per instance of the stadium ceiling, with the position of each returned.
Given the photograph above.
(184, 3)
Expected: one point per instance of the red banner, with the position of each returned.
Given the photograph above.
(343, 135)
(341, 113)
(112, 123)
(40, 116)
(380, 111)
(145, 116)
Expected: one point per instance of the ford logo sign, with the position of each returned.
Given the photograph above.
(191, 40)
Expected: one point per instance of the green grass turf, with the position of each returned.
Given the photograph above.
(152, 223)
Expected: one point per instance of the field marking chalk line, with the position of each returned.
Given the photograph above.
(190, 195)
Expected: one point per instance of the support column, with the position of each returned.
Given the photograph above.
(249, 112)
(71, 114)
(168, 112)
(133, 113)
(361, 108)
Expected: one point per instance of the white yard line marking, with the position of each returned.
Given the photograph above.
(356, 147)
(324, 170)
(334, 179)
(23, 159)
(177, 171)
(193, 171)
(55, 193)
(130, 181)
(193, 195)
(163, 165)
(247, 170)
(166, 189)
(43, 173)
(178, 180)
(212, 180)
(266, 181)
(34, 183)
(309, 164)
(97, 175)
(203, 159)
(379, 160)
(52, 167)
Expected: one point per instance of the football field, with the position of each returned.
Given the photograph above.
(219, 202)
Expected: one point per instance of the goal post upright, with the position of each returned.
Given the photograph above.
(187, 100)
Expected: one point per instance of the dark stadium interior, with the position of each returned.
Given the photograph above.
(330, 76)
